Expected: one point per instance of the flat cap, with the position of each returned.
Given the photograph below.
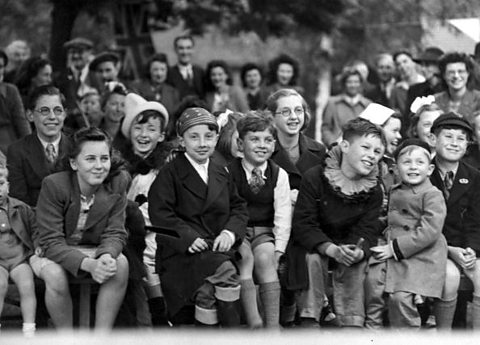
(78, 42)
(411, 142)
(103, 57)
(451, 120)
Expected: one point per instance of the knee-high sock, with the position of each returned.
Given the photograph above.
(476, 312)
(444, 312)
(248, 298)
(270, 297)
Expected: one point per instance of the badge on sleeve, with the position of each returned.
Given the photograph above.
(463, 181)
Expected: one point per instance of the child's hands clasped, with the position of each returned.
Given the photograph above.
(465, 257)
(199, 245)
(382, 253)
(346, 254)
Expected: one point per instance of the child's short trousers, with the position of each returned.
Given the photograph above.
(256, 235)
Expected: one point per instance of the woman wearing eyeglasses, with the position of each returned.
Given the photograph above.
(344, 107)
(33, 157)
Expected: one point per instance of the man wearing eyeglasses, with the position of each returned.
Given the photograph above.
(33, 157)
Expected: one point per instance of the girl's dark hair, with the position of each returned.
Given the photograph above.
(275, 63)
(247, 68)
(224, 142)
(88, 134)
(348, 72)
(256, 121)
(28, 70)
(210, 66)
(272, 103)
(117, 90)
(44, 90)
(455, 57)
(159, 57)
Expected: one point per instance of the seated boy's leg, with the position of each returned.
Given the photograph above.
(444, 308)
(226, 285)
(3, 286)
(310, 301)
(474, 275)
(57, 292)
(402, 310)
(22, 276)
(349, 294)
(267, 277)
(248, 291)
(111, 294)
(375, 302)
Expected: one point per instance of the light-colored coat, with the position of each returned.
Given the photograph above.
(415, 221)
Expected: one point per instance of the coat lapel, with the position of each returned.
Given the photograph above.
(190, 178)
(73, 211)
(461, 184)
(37, 157)
(217, 177)
(101, 207)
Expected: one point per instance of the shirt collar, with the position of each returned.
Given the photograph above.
(56, 142)
(195, 164)
(248, 167)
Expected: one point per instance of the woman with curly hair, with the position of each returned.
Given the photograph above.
(283, 73)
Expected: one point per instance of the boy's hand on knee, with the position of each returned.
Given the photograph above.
(109, 263)
(382, 253)
(199, 245)
(338, 254)
(461, 256)
(470, 258)
(278, 256)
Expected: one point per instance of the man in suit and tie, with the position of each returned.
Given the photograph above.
(385, 68)
(185, 76)
(460, 184)
(33, 157)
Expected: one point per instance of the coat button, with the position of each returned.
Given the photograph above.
(406, 227)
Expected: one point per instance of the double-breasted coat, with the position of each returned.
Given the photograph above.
(184, 208)
(415, 219)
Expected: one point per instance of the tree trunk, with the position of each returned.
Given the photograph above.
(324, 83)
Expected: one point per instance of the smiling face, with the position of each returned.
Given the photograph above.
(145, 136)
(79, 56)
(391, 130)
(284, 74)
(184, 50)
(92, 165)
(425, 123)
(353, 85)
(49, 126)
(405, 65)
(451, 144)
(158, 72)
(361, 155)
(218, 76)
(107, 71)
(385, 68)
(43, 77)
(257, 147)
(253, 78)
(289, 125)
(414, 166)
(115, 108)
(456, 76)
(199, 142)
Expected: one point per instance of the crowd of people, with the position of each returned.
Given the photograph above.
(189, 199)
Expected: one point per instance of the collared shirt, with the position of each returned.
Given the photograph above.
(201, 169)
(56, 143)
(444, 173)
(282, 220)
(186, 71)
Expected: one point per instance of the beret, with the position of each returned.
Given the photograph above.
(193, 117)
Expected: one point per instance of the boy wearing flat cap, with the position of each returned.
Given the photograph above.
(460, 184)
(106, 67)
(201, 220)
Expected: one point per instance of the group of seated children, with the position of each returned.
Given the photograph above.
(218, 227)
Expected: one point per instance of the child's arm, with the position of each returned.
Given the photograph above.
(429, 228)
(282, 220)
(162, 200)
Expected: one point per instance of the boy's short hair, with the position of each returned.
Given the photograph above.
(3, 165)
(40, 91)
(256, 121)
(359, 127)
(408, 145)
(90, 94)
(451, 121)
(183, 37)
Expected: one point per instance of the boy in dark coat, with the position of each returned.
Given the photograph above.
(338, 205)
(196, 207)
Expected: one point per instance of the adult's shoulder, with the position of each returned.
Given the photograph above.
(59, 180)
(312, 145)
(19, 145)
